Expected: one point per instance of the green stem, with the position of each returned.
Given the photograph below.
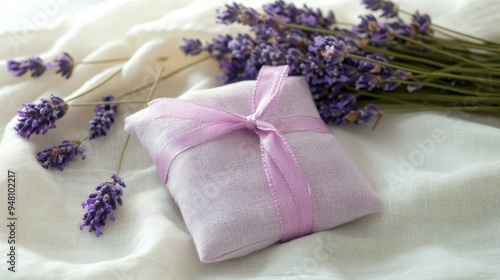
(454, 32)
(385, 97)
(121, 155)
(150, 95)
(460, 77)
(407, 57)
(343, 23)
(103, 61)
(450, 88)
(464, 35)
(440, 98)
(317, 30)
(385, 63)
(476, 109)
(460, 43)
(458, 57)
(423, 72)
(153, 89)
(164, 77)
(85, 139)
(107, 79)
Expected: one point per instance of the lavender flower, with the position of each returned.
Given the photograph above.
(65, 65)
(34, 64)
(389, 9)
(237, 13)
(39, 118)
(364, 115)
(102, 203)
(191, 47)
(368, 25)
(17, 68)
(288, 13)
(332, 48)
(422, 23)
(59, 156)
(105, 117)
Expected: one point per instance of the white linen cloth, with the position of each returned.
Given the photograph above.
(436, 173)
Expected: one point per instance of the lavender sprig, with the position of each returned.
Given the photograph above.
(35, 65)
(101, 204)
(39, 118)
(59, 156)
(104, 118)
(17, 68)
(65, 65)
(388, 8)
(422, 23)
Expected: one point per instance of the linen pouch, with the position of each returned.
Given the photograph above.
(251, 164)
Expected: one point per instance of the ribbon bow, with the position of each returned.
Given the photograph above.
(288, 186)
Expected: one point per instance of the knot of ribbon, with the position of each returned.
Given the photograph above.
(288, 186)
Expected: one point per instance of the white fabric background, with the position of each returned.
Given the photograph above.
(437, 173)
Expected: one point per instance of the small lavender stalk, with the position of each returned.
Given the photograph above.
(59, 156)
(105, 117)
(104, 201)
(39, 118)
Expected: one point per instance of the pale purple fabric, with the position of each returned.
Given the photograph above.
(221, 186)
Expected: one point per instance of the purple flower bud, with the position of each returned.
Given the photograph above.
(368, 25)
(191, 47)
(367, 81)
(229, 15)
(39, 118)
(64, 65)
(17, 68)
(368, 113)
(218, 48)
(100, 204)
(104, 118)
(241, 46)
(333, 49)
(401, 28)
(237, 13)
(389, 9)
(36, 66)
(59, 156)
(422, 23)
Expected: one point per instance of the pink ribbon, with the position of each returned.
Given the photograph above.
(288, 186)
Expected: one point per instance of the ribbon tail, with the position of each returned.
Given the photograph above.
(289, 187)
(270, 83)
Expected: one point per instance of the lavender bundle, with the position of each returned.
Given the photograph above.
(380, 63)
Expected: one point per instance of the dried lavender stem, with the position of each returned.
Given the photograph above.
(430, 47)
(450, 88)
(120, 160)
(454, 31)
(97, 85)
(103, 61)
(461, 43)
(153, 89)
(164, 77)
(407, 57)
